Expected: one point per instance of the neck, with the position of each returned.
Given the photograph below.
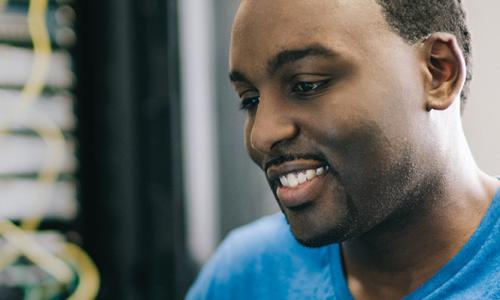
(397, 256)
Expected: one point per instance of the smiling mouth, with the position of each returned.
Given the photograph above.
(298, 182)
(298, 178)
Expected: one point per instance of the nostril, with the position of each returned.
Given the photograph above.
(256, 148)
(271, 125)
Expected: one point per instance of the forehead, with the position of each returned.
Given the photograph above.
(263, 28)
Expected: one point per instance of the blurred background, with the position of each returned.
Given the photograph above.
(122, 163)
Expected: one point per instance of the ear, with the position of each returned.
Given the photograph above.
(445, 70)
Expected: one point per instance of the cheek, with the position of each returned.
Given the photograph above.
(358, 146)
(360, 150)
(364, 118)
(376, 171)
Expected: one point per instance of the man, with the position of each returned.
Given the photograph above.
(354, 115)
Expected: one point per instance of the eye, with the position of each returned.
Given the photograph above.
(249, 103)
(305, 87)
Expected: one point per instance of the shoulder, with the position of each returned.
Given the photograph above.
(474, 272)
(263, 254)
(260, 240)
(268, 234)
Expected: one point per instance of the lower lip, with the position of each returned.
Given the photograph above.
(292, 197)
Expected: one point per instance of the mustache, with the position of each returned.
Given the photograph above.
(281, 158)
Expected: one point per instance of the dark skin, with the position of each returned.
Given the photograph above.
(326, 82)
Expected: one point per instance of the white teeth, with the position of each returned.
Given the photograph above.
(294, 179)
(310, 174)
(283, 181)
(302, 178)
(320, 171)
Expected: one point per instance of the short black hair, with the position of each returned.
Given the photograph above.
(415, 20)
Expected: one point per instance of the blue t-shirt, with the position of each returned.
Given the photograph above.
(263, 260)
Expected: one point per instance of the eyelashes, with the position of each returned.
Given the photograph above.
(249, 103)
(301, 89)
(305, 88)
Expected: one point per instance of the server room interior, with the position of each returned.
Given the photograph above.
(160, 173)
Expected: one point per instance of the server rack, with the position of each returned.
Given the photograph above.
(40, 250)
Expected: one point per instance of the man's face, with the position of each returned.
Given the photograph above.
(336, 113)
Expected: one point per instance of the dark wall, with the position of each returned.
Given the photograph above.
(129, 134)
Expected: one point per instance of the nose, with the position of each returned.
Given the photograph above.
(273, 123)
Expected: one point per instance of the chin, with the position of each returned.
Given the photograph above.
(319, 238)
(324, 221)
(315, 242)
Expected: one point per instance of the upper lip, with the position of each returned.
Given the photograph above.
(275, 171)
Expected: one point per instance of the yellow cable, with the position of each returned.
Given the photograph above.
(7, 256)
(42, 49)
(42, 54)
(29, 95)
(34, 252)
(52, 136)
(88, 285)
(88, 274)
(48, 175)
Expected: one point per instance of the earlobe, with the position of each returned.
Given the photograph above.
(445, 70)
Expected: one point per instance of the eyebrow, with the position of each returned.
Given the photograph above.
(286, 57)
(289, 56)
(236, 76)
